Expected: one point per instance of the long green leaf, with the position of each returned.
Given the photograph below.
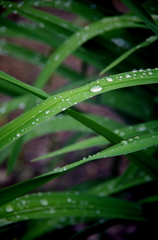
(55, 104)
(77, 40)
(139, 158)
(146, 43)
(26, 87)
(153, 198)
(46, 205)
(136, 7)
(99, 140)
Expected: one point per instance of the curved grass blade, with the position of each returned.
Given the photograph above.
(26, 186)
(99, 140)
(146, 43)
(36, 14)
(18, 102)
(35, 91)
(55, 104)
(75, 6)
(78, 39)
(40, 35)
(132, 145)
(92, 142)
(46, 205)
(10, 89)
(139, 158)
(153, 198)
(136, 7)
(32, 115)
(29, 31)
(117, 184)
(56, 124)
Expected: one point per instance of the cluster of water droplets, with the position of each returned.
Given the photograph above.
(125, 142)
(131, 75)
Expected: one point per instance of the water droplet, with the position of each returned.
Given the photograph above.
(20, 4)
(69, 200)
(116, 131)
(130, 139)
(136, 137)
(127, 75)
(109, 79)
(22, 105)
(150, 73)
(47, 112)
(56, 57)
(18, 134)
(93, 6)
(96, 88)
(86, 27)
(36, 3)
(123, 142)
(43, 202)
(52, 210)
(9, 208)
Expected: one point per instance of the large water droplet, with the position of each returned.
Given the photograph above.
(9, 208)
(109, 79)
(43, 202)
(130, 139)
(127, 75)
(47, 112)
(56, 57)
(123, 142)
(96, 88)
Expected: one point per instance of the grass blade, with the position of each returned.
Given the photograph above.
(146, 43)
(65, 204)
(139, 158)
(35, 91)
(136, 7)
(99, 140)
(55, 104)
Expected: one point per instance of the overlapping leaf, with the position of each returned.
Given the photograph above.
(50, 205)
(55, 104)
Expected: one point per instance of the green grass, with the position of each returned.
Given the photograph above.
(101, 38)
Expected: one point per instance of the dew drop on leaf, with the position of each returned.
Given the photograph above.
(127, 75)
(109, 79)
(130, 139)
(123, 142)
(47, 112)
(43, 202)
(9, 208)
(96, 88)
